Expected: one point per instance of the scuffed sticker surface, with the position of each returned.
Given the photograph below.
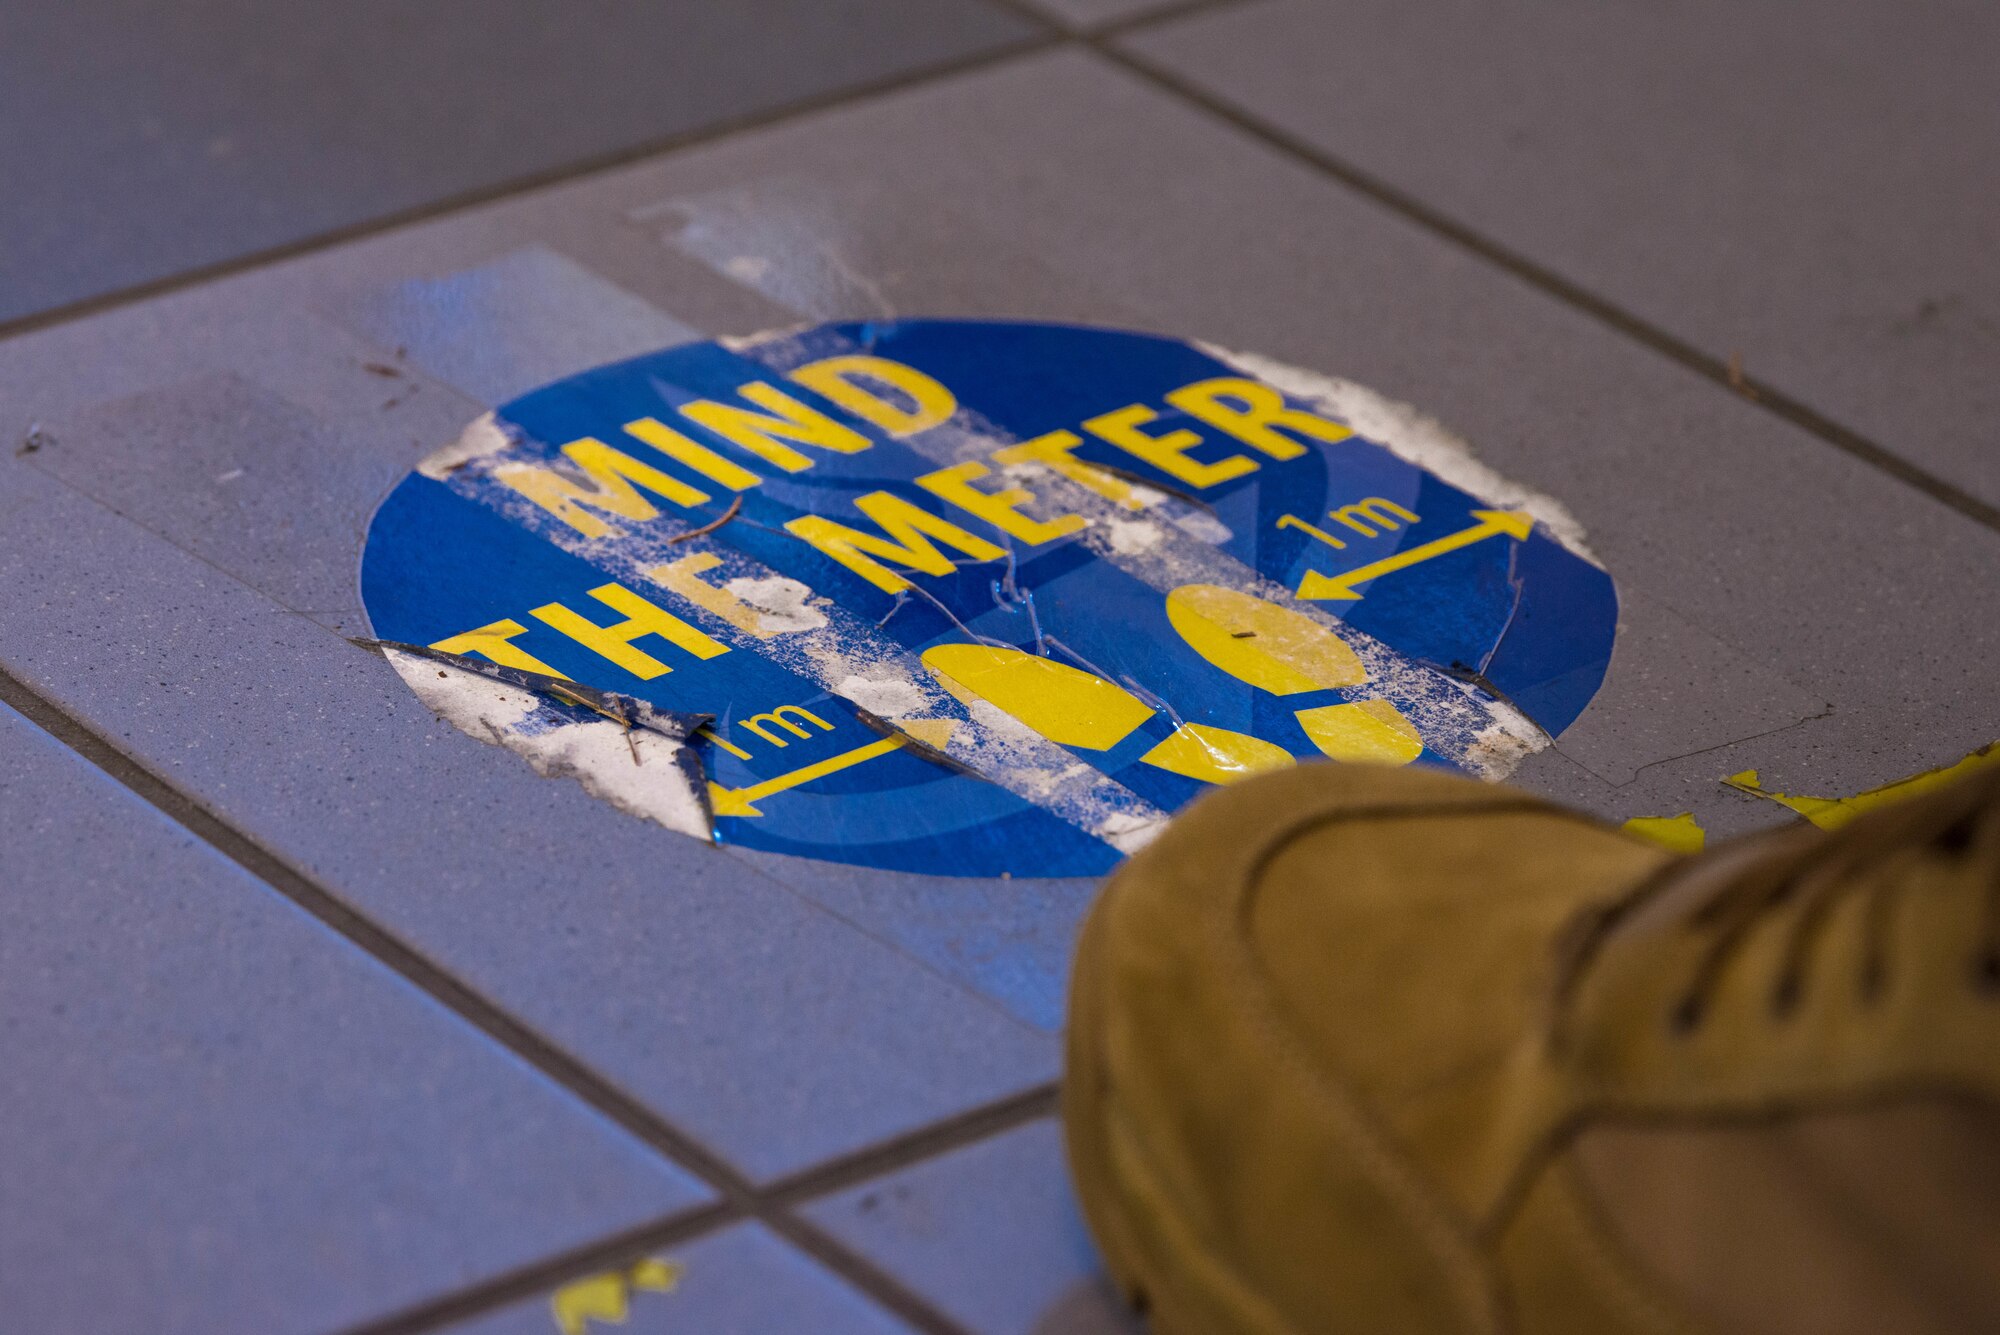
(983, 598)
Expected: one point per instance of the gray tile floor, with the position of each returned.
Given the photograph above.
(1810, 193)
(143, 140)
(245, 1111)
(795, 1084)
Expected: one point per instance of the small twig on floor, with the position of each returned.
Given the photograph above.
(710, 527)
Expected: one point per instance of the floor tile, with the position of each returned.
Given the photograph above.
(767, 1027)
(221, 1117)
(500, 329)
(1829, 755)
(1810, 191)
(741, 1279)
(151, 140)
(990, 1233)
(1011, 939)
(223, 466)
(1676, 690)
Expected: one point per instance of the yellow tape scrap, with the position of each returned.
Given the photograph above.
(608, 1297)
(1677, 834)
(1830, 813)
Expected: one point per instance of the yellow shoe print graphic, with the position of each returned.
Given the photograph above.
(1272, 648)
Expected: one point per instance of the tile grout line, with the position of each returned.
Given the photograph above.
(538, 1278)
(574, 170)
(357, 929)
(780, 1200)
(1157, 16)
(737, 1196)
(1099, 41)
(913, 1147)
(1047, 36)
(1544, 279)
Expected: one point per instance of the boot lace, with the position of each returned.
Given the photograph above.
(1813, 872)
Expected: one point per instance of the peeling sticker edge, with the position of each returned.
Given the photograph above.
(646, 767)
(1413, 436)
(483, 438)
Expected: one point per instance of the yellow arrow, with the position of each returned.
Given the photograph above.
(742, 801)
(1516, 524)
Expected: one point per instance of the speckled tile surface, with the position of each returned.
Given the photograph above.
(241, 1120)
(741, 1279)
(1810, 193)
(991, 1233)
(188, 479)
(147, 140)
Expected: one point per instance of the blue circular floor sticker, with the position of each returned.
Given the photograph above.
(974, 598)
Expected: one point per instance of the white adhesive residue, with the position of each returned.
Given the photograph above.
(894, 697)
(1129, 833)
(1413, 435)
(1204, 526)
(1498, 751)
(783, 605)
(1132, 537)
(637, 772)
(482, 439)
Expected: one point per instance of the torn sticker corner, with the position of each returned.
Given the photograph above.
(638, 758)
(483, 438)
(1498, 749)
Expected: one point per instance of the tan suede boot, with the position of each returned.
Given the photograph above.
(1387, 1051)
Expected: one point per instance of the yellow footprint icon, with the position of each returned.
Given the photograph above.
(1072, 707)
(1283, 652)
(1259, 643)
